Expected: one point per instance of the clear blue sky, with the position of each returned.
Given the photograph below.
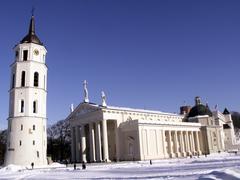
(143, 53)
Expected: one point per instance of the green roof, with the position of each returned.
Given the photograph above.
(199, 110)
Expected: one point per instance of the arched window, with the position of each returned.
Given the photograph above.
(34, 127)
(22, 106)
(10, 125)
(36, 79)
(21, 127)
(23, 79)
(34, 106)
(13, 80)
(16, 54)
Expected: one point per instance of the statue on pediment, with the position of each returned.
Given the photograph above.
(104, 103)
(86, 99)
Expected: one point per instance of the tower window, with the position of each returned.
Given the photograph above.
(25, 55)
(22, 106)
(34, 106)
(10, 126)
(13, 80)
(33, 142)
(34, 127)
(20, 143)
(16, 54)
(21, 127)
(23, 79)
(38, 154)
(36, 79)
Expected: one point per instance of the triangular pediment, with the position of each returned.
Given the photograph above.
(82, 109)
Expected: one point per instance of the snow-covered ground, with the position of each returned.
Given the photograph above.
(217, 166)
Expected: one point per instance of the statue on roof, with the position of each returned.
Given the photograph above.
(86, 99)
(103, 99)
(71, 108)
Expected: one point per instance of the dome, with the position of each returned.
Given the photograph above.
(199, 109)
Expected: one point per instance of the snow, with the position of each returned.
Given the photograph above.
(12, 168)
(56, 165)
(221, 166)
(228, 174)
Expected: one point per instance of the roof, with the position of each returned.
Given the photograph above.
(199, 110)
(31, 37)
(226, 111)
(121, 109)
(140, 110)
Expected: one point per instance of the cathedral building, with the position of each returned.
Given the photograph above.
(109, 133)
(27, 137)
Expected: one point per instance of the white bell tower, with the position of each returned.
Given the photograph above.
(27, 129)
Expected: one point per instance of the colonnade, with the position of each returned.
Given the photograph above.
(96, 138)
(90, 142)
(182, 143)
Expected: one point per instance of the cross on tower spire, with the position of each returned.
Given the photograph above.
(33, 10)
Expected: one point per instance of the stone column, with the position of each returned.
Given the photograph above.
(98, 142)
(170, 144)
(176, 145)
(190, 142)
(73, 145)
(83, 143)
(218, 140)
(92, 143)
(198, 144)
(182, 144)
(187, 144)
(77, 144)
(105, 140)
(193, 143)
(164, 142)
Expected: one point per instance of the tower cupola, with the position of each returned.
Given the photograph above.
(31, 37)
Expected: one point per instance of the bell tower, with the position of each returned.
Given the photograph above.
(27, 129)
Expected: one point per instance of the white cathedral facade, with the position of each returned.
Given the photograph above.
(27, 137)
(108, 133)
